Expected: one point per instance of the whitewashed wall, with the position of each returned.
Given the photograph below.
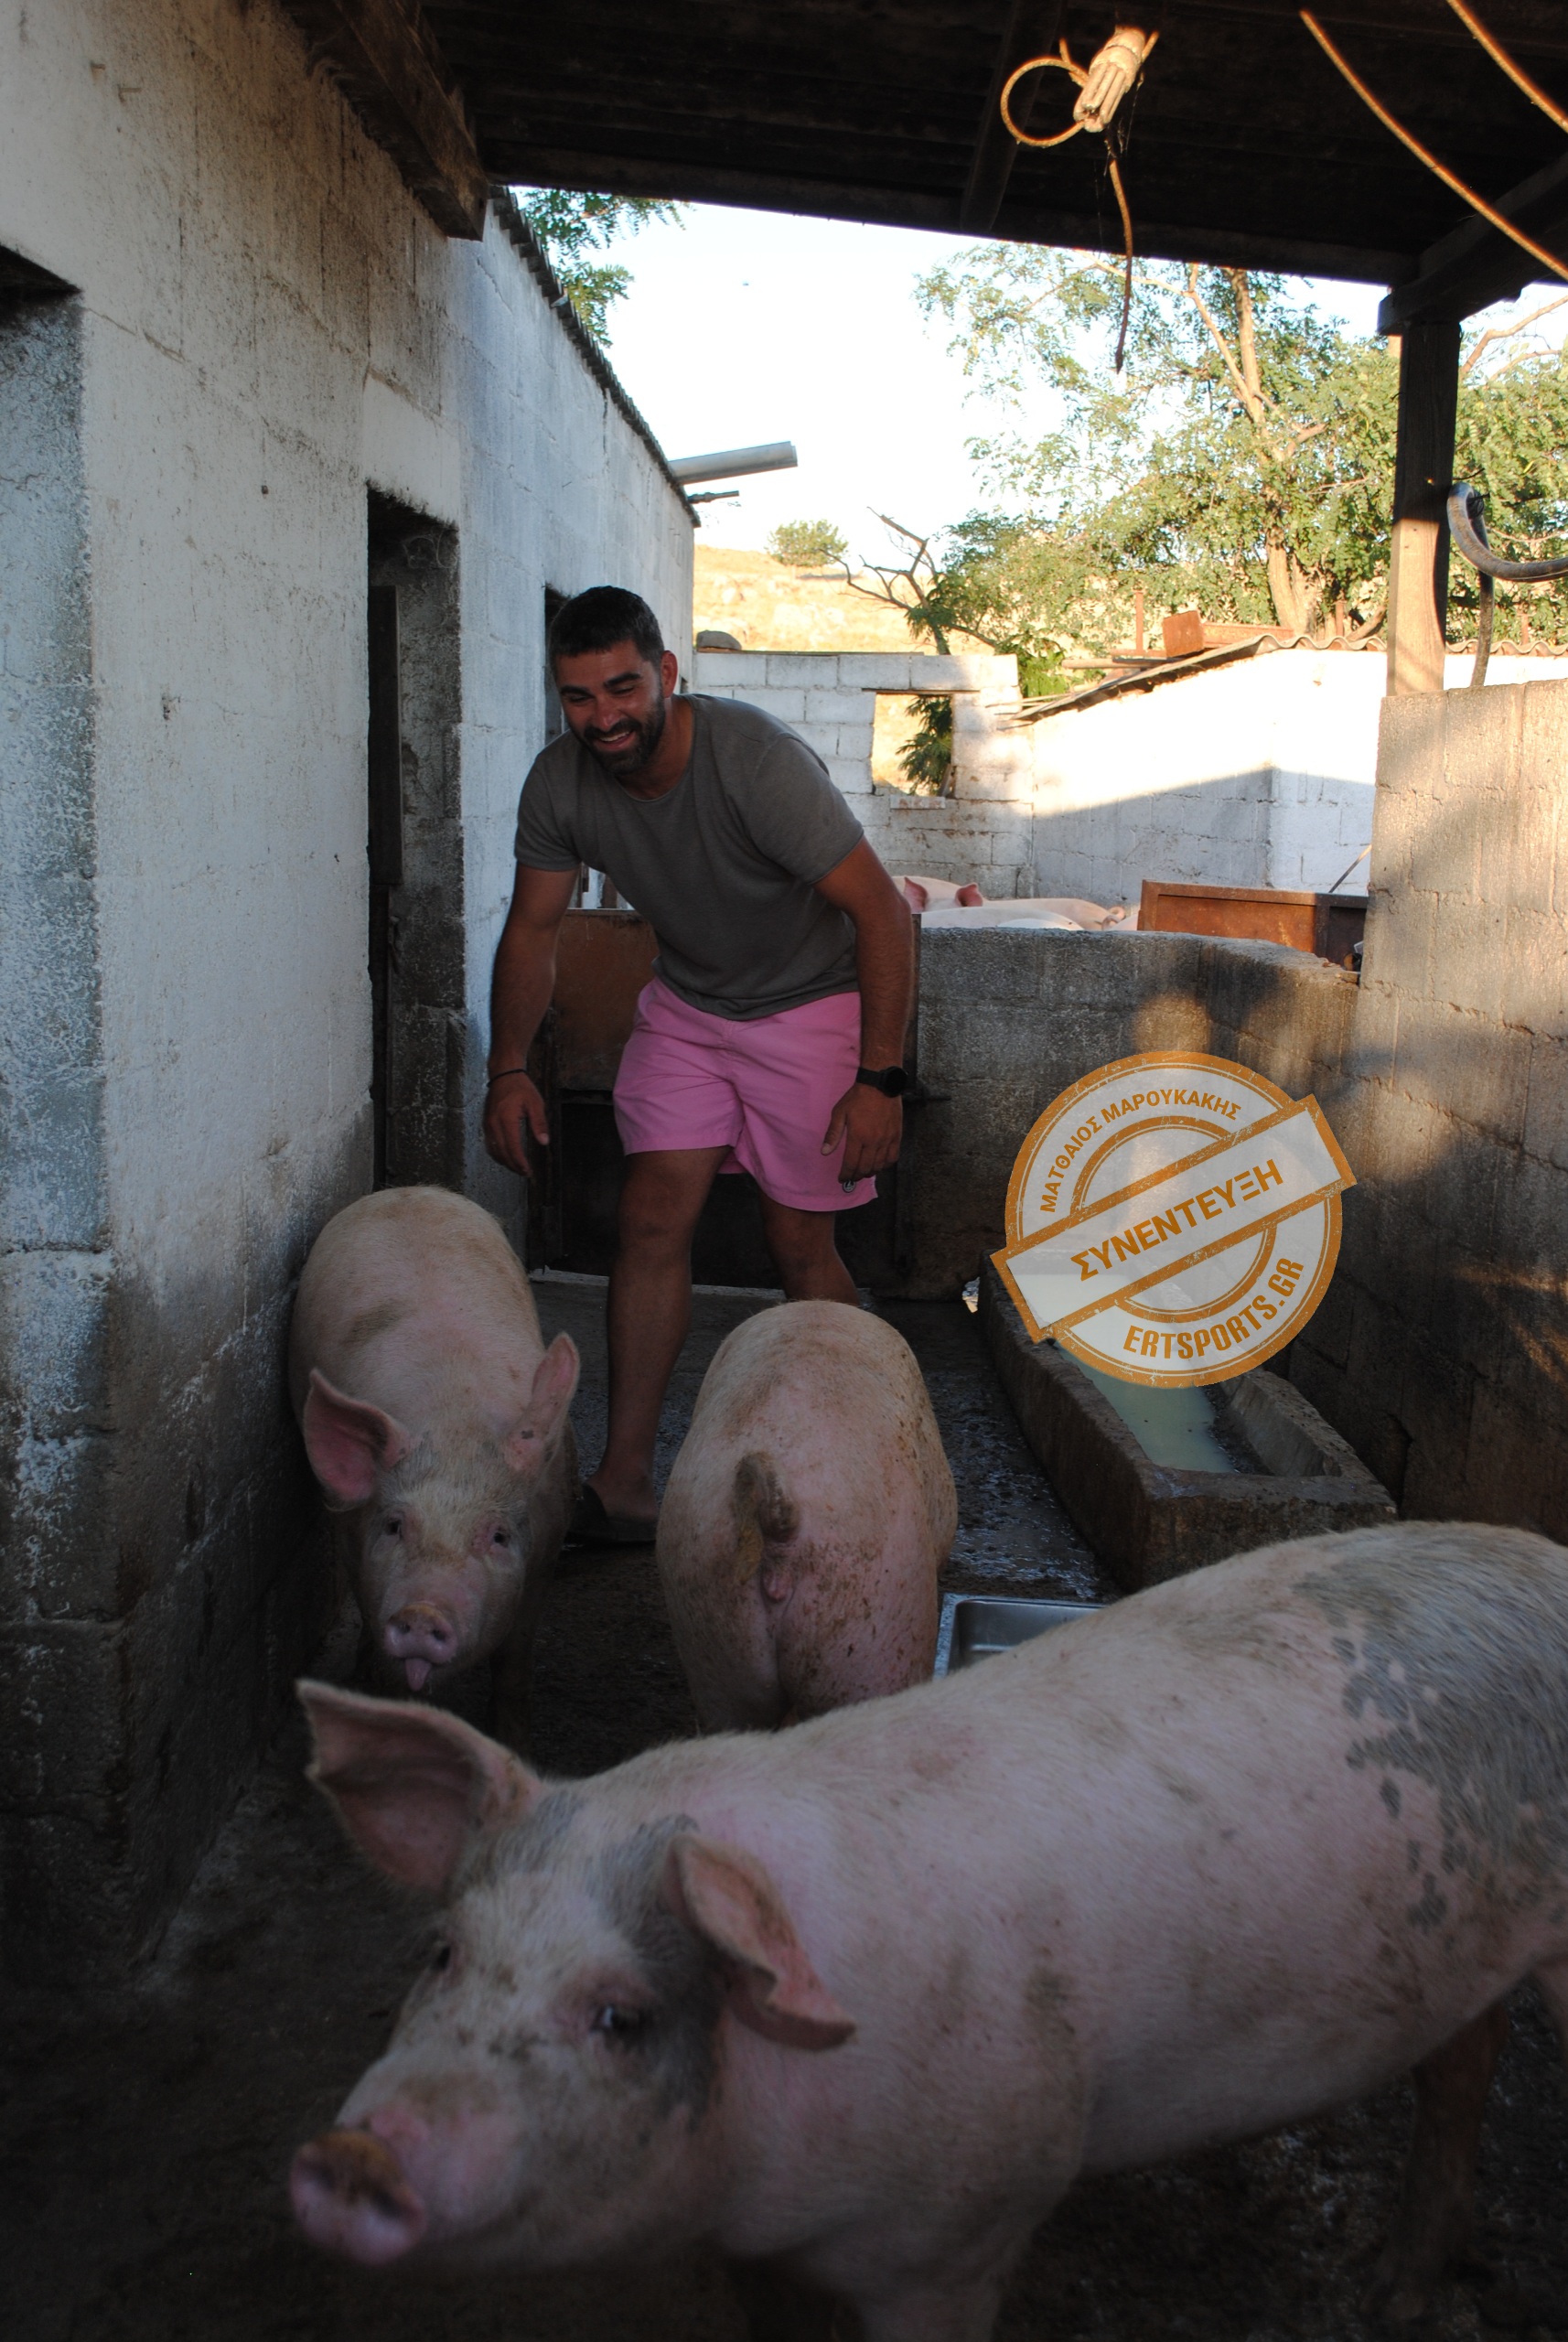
(1256, 774)
(268, 326)
(1259, 773)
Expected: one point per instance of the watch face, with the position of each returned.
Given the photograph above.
(892, 1080)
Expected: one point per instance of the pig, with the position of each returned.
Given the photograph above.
(805, 1521)
(435, 1423)
(859, 2001)
(924, 893)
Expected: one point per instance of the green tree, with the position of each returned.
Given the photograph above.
(572, 227)
(1244, 462)
(1512, 444)
(807, 545)
(1244, 459)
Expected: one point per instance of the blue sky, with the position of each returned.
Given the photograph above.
(749, 325)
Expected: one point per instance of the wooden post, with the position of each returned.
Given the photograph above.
(1423, 473)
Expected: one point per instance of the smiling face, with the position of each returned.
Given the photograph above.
(616, 702)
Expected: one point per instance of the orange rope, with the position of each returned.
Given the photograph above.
(1476, 202)
(1064, 64)
(1127, 249)
(1499, 56)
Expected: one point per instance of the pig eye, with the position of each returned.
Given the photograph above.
(442, 1956)
(618, 2024)
(393, 1525)
(500, 1536)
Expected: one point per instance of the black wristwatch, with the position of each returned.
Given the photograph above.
(892, 1080)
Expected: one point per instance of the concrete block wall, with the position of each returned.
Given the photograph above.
(1438, 1348)
(1439, 1352)
(1256, 774)
(1010, 1020)
(983, 831)
(265, 326)
(1261, 773)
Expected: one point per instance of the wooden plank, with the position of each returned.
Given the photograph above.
(910, 207)
(1474, 265)
(1423, 473)
(1034, 29)
(391, 74)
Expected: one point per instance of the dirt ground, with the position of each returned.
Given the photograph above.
(145, 2137)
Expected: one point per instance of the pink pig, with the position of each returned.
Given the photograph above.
(860, 2001)
(435, 1422)
(806, 1519)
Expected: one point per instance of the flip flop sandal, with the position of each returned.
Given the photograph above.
(592, 1525)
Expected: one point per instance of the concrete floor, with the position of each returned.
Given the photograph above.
(144, 2136)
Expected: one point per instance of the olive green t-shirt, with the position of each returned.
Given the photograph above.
(723, 865)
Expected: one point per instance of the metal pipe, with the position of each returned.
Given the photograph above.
(1467, 526)
(731, 462)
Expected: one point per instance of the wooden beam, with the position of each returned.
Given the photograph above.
(391, 72)
(1034, 29)
(1475, 265)
(1020, 220)
(1423, 473)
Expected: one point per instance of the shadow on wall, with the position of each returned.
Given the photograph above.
(1265, 827)
(1441, 1349)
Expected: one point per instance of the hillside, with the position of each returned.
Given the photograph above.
(769, 607)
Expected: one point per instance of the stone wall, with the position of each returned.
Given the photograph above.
(1439, 1349)
(265, 328)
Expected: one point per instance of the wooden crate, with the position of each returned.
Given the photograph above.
(1328, 925)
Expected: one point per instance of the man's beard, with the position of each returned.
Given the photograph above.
(632, 751)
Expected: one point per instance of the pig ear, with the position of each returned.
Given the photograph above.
(915, 895)
(970, 895)
(729, 1898)
(349, 1443)
(554, 1379)
(412, 1785)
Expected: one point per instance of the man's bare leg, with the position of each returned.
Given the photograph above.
(650, 1312)
(802, 1246)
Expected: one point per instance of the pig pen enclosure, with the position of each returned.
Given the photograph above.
(147, 2132)
(147, 2128)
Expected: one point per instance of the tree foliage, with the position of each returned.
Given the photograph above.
(807, 545)
(572, 227)
(1243, 462)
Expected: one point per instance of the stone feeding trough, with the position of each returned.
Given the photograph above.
(1163, 1481)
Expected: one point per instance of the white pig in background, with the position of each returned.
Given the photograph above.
(806, 1517)
(861, 2000)
(436, 1422)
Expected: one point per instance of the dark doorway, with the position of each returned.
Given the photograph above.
(415, 843)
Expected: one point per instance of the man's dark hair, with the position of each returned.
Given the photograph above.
(600, 618)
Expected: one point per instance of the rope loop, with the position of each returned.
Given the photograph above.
(1102, 83)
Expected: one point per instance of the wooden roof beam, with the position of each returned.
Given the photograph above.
(1034, 29)
(1475, 264)
(390, 69)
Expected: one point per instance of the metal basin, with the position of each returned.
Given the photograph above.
(979, 1625)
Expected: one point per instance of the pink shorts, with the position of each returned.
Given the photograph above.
(765, 1090)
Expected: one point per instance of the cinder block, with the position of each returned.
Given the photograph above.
(805, 670)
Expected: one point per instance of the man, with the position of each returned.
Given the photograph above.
(771, 1037)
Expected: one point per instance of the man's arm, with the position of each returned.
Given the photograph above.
(884, 964)
(521, 987)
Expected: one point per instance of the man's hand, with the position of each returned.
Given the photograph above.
(513, 1107)
(874, 1127)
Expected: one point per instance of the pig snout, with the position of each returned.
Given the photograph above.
(349, 2195)
(419, 1637)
